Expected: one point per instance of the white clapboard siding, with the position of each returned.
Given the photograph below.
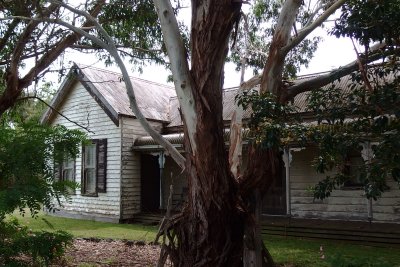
(387, 208)
(79, 106)
(130, 167)
(342, 204)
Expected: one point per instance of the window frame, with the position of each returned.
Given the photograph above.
(99, 168)
(349, 168)
(60, 170)
(63, 170)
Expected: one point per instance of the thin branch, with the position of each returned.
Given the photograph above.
(23, 40)
(60, 47)
(27, 56)
(56, 111)
(8, 33)
(303, 33)
(361, 66)
(89, 47)
(312, 16)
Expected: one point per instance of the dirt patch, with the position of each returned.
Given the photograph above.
(94, 252)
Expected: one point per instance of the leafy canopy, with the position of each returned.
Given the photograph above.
(28, 153)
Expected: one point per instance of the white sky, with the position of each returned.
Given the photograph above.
(332, 53)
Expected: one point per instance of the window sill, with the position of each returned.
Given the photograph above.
(89, 195)
(352, 187)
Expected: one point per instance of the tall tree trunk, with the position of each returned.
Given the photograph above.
(212, 227)
(210, 230)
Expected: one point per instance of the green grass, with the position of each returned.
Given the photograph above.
(306, 252)
(85, 228)
(286, 251)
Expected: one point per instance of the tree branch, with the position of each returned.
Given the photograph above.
(14, 85)
(56, 111)
(322, 80)
(49, 57)
(20, 45)
(8, 33)
(271, 79)
(303, 33)
(110, 47)
(179, 66)
(89, 47)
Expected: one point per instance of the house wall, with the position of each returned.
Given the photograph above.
(387, 208)
(343, 204)
(173, 176)
(80, 107)
(131, 166)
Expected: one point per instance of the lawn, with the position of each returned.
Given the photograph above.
(286, 251)
(87, 229)
(306, 252)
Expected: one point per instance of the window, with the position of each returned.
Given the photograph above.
(65, 171)
(94, 157)
(68, 170)
(353, 169)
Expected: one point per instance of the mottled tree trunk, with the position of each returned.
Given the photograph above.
(211, 232)
(221, 219)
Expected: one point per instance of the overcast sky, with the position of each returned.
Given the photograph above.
(332, 53)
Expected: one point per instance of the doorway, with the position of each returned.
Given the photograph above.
(150, 183)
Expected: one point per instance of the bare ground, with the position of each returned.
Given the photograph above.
(94, 252)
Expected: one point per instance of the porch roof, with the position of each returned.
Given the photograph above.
(176, 139)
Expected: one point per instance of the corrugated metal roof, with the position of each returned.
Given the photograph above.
(300, 100)
(152, 98)
(229, 103)
(159, 101)
(177, 138)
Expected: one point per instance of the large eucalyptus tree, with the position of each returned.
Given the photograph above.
(211, 230)
(218, 226)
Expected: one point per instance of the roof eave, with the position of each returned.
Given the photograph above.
(59, 97)
(97, 96)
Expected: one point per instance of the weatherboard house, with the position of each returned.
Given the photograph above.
(123, 172)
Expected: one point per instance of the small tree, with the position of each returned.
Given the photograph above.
(28, 153)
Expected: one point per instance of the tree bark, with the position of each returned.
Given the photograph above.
(212, 220)
(271, 80)
(210, 231)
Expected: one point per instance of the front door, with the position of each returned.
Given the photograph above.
(150, 181)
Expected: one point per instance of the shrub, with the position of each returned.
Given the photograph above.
(19, 245)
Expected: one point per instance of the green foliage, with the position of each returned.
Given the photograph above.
(27, 155)
(136, 31)
(347, 118)
(369, 21)
(42, 247)
(255, 39)
(268, 120)
(372, 114)
(134, 25)
(28, 152)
